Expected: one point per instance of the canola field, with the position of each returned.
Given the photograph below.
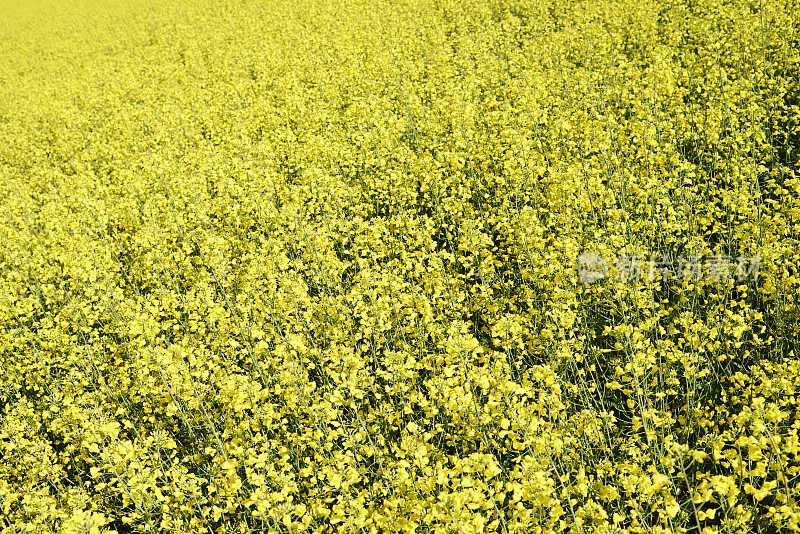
(399, 266)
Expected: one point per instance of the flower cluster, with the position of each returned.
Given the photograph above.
(310, 266)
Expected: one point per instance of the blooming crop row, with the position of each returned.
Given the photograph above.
(311, 266)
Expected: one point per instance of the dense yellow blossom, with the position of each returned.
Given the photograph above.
(313, 267)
